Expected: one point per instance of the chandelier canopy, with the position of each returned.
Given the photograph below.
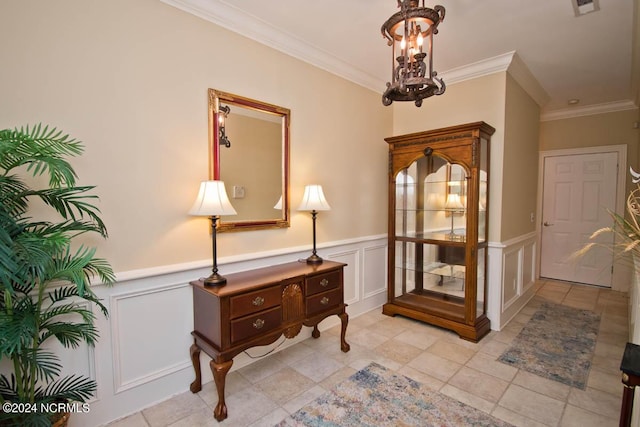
(407, 31)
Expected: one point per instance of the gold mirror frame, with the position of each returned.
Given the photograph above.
(247, 105)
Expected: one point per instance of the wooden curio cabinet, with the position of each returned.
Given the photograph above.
(438, 222)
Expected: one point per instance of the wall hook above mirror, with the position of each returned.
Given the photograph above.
(256, 167)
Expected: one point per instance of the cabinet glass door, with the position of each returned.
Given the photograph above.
(483, 201)
(430, 234)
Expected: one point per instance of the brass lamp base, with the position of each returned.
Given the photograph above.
(314, 259)
(215, 280)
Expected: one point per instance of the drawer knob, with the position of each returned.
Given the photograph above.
(324, 283)
(258, 301)
(258, 324)
(324, 301)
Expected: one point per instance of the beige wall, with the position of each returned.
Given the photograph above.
(481, 99)
(520, 162)
(594, 131)
(590, 131)
(130, 79)
(501, 102)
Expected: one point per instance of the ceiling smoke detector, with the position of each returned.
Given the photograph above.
(582, 7)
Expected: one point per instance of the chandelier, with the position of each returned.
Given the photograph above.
(406, 32)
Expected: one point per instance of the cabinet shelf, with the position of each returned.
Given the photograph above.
(434, 238)
(438, 222)
(436, 268)
(457, 212)
(430, 183)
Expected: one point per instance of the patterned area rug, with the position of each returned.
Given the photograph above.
(557, 343)
(376, 396)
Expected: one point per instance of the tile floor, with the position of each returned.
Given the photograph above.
(266, 391)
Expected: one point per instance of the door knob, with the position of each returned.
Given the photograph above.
(546, 224)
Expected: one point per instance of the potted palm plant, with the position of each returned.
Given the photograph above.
(45, 278)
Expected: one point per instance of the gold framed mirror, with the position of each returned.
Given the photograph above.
(249, 151)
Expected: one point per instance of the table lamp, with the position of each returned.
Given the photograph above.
(212, 201)
(313, 200)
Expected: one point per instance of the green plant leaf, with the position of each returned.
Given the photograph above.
(41, 279)
(74, 388)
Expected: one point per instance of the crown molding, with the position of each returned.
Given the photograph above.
(510, 62)
(225, 15)
(233, 19)
(478, 69)
(521, 73)
(568, 113)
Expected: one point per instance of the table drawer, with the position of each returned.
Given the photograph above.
(324, 301)
(255, 324)
(252, 302)
(323, 282)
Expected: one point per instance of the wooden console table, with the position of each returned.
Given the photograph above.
(256, 307)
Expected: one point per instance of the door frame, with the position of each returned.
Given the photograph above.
(620, 277)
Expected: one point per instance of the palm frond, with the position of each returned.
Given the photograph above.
(54, 311)
(44, 364)
(71, 267)
(11, 191)
(8, 387)
(38, 269)
(71, 203)
(74, 388)
(42, 150)
(64, 292)
(18, 326)
(70, 335)
(8, 263)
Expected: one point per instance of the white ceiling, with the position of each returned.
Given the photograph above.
(588, 57)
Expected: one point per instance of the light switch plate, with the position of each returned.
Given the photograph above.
(238, 192)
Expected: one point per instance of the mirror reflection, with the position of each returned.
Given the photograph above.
(249, 145)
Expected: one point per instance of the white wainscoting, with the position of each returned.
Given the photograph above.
(511, 275)
(142, 357)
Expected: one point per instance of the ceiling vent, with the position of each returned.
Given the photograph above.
(582, 7)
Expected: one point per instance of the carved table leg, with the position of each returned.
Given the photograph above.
(315, 333)
(627, 406)
(344, 319)
(196, 385)
(219, 371)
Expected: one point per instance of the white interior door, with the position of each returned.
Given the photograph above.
(578, 192)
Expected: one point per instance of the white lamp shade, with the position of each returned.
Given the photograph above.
(278, 204)
(212, 200)
(313, 199)
(453, 202)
